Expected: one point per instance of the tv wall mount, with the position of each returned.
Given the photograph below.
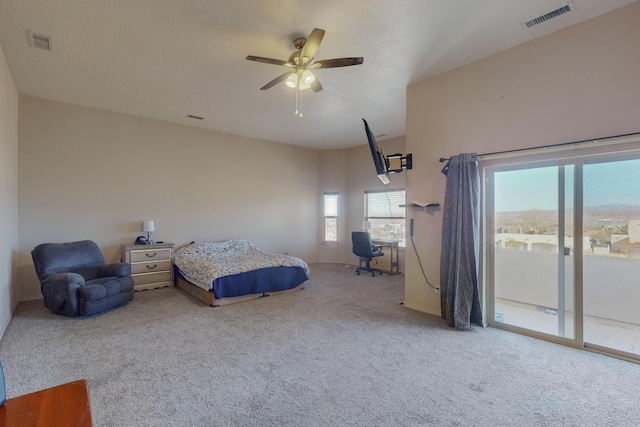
(396, 163)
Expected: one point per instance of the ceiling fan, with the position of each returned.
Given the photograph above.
(301, 63)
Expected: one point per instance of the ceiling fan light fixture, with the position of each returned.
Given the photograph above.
(302, 61)
(292, 80)
(308, 77)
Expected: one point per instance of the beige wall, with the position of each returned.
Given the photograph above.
(579, 83)
(351, 172)
(92, 174)
(8, 194)
(86, 173)
(362, 177)
(332, 178)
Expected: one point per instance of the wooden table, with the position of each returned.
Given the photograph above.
(61, 406)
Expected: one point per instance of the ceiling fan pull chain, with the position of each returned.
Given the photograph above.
(297, 89)
(300, 102)
(298, 99)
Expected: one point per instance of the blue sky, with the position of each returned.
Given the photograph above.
(612, 183)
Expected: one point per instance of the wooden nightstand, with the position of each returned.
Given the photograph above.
(151, 265)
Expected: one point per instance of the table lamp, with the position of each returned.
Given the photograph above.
(148, 227)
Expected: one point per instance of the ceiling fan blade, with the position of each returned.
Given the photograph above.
(338, 62)
(269, 60)
(277, 80)
(315, 85)
(311, 45)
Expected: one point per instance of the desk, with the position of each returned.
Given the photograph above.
(61, 406)
(389, 262)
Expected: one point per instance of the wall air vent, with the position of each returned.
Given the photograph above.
(191, 116)
(40, 41)
(546, 17)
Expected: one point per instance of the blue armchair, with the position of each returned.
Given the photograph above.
(76, 281)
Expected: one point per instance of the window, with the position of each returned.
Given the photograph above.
(386, 212)
(330, 217)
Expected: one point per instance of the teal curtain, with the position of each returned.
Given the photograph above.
(459, 296)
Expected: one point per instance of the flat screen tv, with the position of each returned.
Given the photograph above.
(379, 160)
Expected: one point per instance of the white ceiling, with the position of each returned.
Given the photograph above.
(164, 59)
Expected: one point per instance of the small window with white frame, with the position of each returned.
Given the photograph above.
(330, 217)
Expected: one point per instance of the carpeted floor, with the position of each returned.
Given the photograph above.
(343, 351)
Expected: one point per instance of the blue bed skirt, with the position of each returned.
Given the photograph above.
(272, 279)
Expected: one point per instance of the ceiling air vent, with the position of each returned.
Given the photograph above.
(191, 116)
(40, 41)
(546, 17)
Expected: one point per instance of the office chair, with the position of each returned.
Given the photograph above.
(363, 248)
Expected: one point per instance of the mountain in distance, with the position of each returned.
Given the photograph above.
(612, 207)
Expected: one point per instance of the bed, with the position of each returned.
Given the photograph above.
(221, 273)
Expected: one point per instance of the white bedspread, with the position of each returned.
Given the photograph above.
(202, 263)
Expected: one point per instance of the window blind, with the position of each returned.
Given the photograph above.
(386, 204)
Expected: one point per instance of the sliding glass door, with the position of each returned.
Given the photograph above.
(612, 262)
(563, 250)
(533, 249)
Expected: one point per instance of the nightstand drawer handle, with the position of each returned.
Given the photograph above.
(151, 268)
(151, 255)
